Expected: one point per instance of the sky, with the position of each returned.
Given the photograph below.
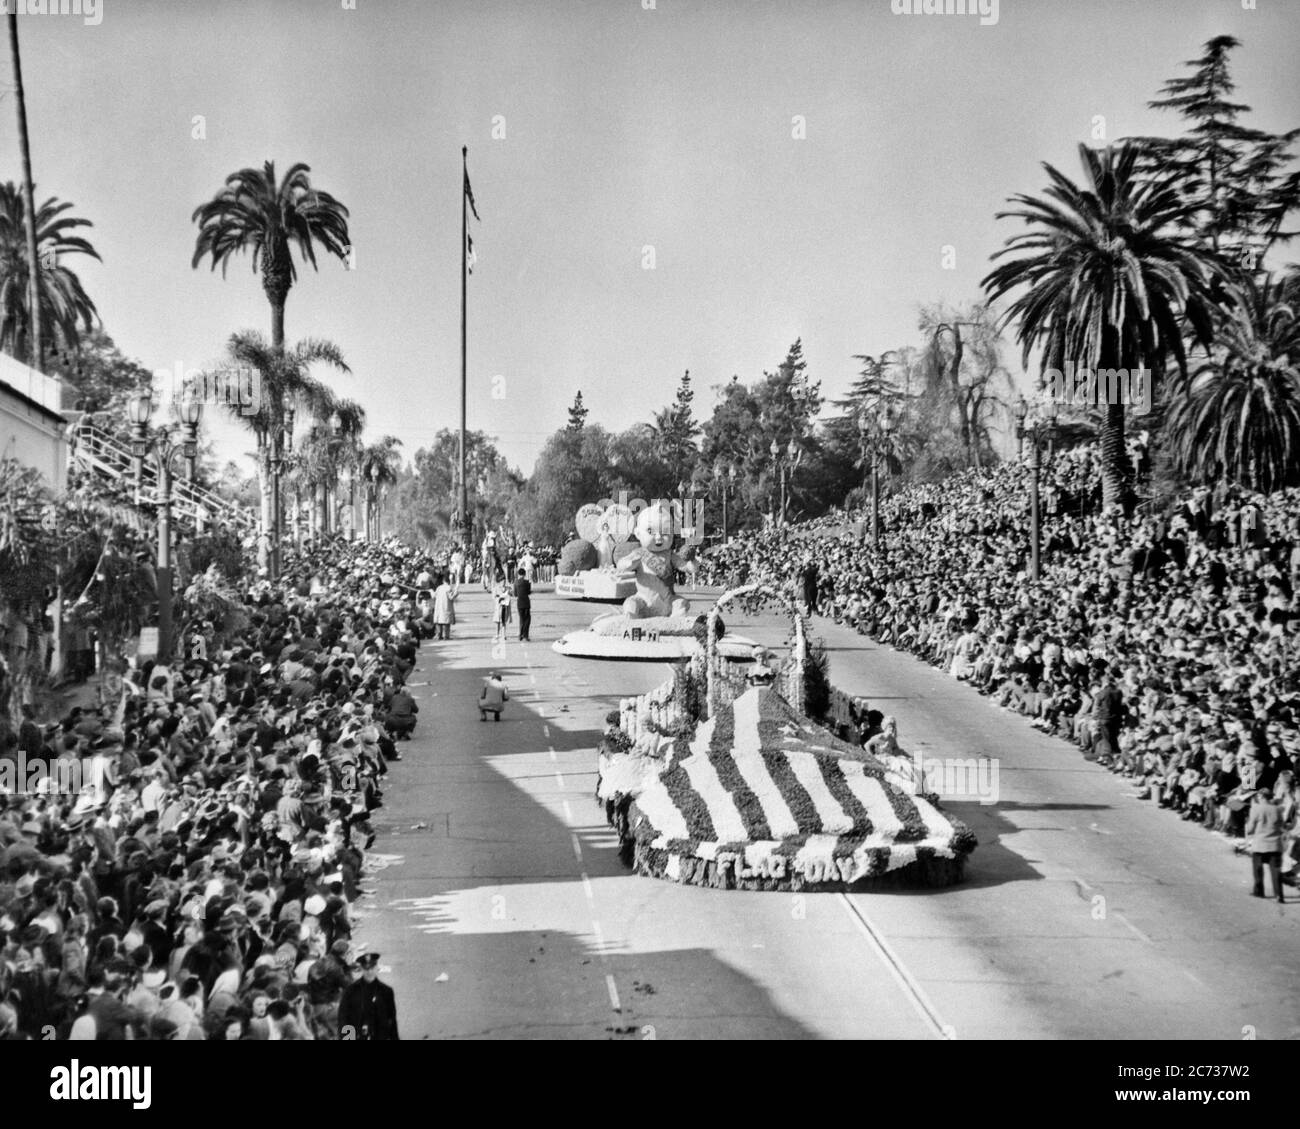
(597, 129)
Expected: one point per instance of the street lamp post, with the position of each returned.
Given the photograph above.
(874, 432)
(373, 507)
(725, 477)
(281, 447)
(1040, 435)
(783, 461)
(164, 449)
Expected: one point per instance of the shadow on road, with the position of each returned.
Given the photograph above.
(553, 984)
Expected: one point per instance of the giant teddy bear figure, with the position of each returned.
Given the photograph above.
(655, 564)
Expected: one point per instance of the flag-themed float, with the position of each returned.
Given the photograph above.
(756, 796)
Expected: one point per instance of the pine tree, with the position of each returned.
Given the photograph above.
(682, 406)
(577, 414)
(1232, 175)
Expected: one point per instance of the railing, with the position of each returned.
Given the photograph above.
(95, 450)
(659, 707)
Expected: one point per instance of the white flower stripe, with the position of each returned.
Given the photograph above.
(870, 793)
(727, 823)
(657, 806)
(936, 823)
(749, 763)
(806, 768)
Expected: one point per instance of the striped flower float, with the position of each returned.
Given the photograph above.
(765, 800)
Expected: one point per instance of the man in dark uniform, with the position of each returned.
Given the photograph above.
(1108, 713)
(368, 1009)
(524, 603)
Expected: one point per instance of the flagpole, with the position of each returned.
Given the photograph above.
(464, 254)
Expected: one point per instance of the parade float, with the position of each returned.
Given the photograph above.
(594, 574)
(713, 781)
(654, 622)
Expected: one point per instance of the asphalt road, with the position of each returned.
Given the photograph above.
(500, 907)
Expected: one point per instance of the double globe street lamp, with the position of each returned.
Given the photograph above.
(724, 481)
(784, 461)
(1041, 436)
(163, 447)
(874, 431)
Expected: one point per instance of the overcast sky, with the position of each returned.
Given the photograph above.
(624, 128)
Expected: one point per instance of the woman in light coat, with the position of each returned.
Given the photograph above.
(444, 598)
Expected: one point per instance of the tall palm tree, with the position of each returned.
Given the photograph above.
(37, 353)
(377, 466)
(282, 380)
(1111, 279)
(254, 212)
(1241, 409)
(63, 306)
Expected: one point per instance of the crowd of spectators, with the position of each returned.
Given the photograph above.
(199, 880)
(1162, 644)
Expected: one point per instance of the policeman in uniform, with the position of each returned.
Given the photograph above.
(368, 1008)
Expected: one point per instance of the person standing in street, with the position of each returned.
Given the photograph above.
(443, 598)
(528, 562)
(524, 603)
(1108, 714)
(368, 1007)
(808, 580)
(1264, 827)
(501, 606)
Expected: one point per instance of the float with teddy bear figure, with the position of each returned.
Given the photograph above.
(654, 623)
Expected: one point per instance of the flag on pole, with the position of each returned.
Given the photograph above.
(469, 194)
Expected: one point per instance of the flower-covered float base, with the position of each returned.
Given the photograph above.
(650, 638)
(756, 801)
(791, 867)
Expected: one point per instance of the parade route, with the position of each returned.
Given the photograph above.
(502, 910)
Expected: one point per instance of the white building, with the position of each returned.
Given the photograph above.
(31, 420)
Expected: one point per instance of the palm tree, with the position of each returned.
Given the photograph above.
(63, 303)
(254, 212)
(282, 381)
(377, 466)
(1111, 278)
(1240, 412)
(29, 199)
(328, 449)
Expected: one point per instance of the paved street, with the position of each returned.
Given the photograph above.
(502, 910)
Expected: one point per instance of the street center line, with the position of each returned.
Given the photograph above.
(911, 989)
(559, 779)
(577, 846)
(546, 731)
(1134, 929)
(586, 887)
(568, 813)
(613, 992)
